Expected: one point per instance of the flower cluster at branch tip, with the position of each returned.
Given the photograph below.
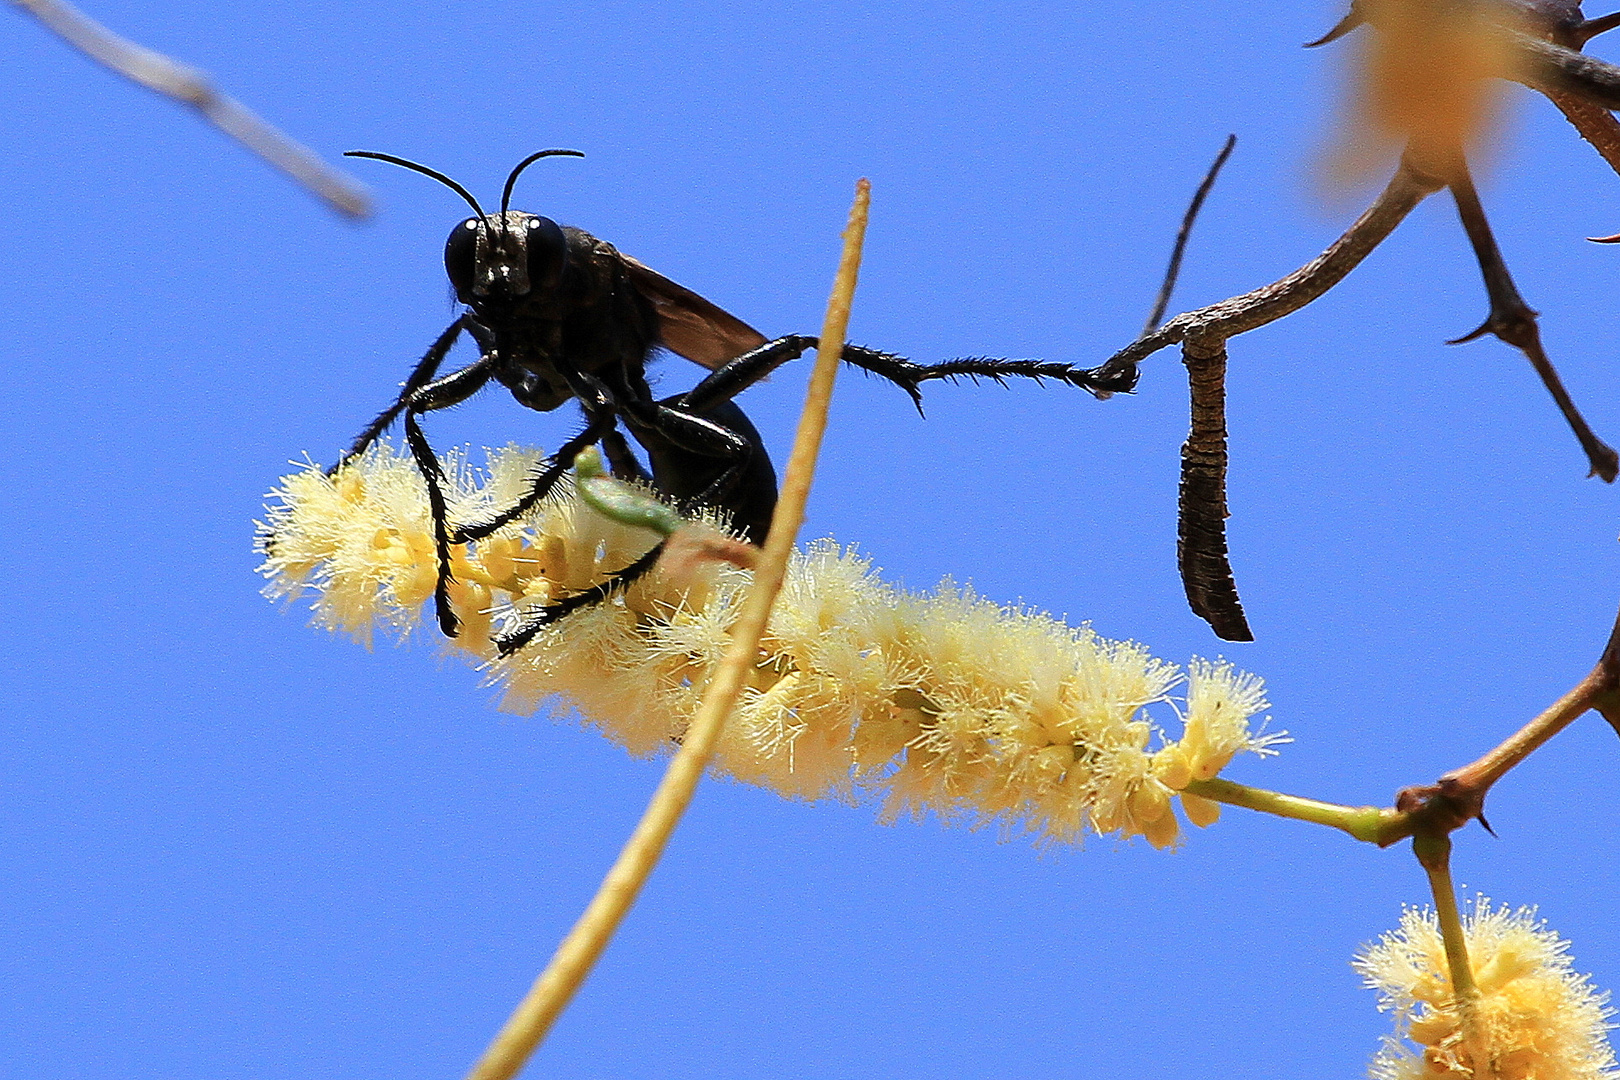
(1537, 1019)
(943, 703)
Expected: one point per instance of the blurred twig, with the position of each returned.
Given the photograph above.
(191, 87)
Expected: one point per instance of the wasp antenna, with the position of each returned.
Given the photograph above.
(425, 171)
(506, 194)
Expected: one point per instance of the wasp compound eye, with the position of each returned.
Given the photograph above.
(547, 249)
(461, 258)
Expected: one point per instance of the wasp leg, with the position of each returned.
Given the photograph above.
(622, 462)
(507, 644)
(738, 375)
(421, 375)
(550, 471)
(909, 376)
(453, 389)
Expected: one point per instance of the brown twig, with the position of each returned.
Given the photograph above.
(191, 87)
(1206, 571)
(1201, 554)
(1513, 321)
(1547, 66)
(1432, 811)
(1185, 232)
(1590, 28)
(1459, 796)
(1240, 314)
(1607, 699)
(1596, 125)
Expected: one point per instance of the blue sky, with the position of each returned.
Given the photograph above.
(234, 846)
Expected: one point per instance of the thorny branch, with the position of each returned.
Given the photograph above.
(1202, 550)
(1240, 314)
(1548, 59)
(191, 87)
(1512, 320)
(1431, 812)
(1545, 38)
(1459, 796)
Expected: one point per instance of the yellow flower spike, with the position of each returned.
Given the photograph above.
(1049, 765)
(943, 704)
(1105, 820)
(776, 698)
(472, 603)
(497, 554)
(391, 547)
(882, 737)
(1170, 766)
(348, 486)
(465, 568)
(415, 584)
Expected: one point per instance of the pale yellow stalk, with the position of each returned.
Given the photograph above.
(585, 943)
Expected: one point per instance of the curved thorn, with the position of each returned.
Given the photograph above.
(1350, 22)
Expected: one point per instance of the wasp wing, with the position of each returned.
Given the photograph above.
(701, 331)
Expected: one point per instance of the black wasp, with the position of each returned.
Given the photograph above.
(559, 315)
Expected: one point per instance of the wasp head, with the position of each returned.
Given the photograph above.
(497, 257)
(504, 256)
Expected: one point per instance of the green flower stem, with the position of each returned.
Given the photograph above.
(1368, 823)
(1433, 851)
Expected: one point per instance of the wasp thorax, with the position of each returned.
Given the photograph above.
(504, 256)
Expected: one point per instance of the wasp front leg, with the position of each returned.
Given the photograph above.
(453, 389)
(717, 460)
(426, 368)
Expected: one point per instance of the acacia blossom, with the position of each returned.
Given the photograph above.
(945, 703)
